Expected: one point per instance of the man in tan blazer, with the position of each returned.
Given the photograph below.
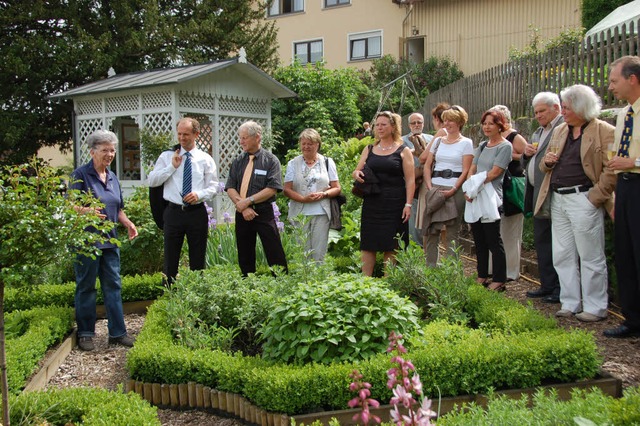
(576, 187)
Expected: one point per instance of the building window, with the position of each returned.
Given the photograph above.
(283, 7)
(329, 3)
(308, 52)
(365, 45)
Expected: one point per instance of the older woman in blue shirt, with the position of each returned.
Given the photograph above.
(96, 178)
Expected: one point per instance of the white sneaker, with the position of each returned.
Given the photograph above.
(587, 317)
(565, 313)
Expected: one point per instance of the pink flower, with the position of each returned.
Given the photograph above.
(401, 395)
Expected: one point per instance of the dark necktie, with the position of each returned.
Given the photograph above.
(186, 175)
(627, 131)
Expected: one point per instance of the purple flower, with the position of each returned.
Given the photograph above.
(276, 210)
(220, 188)
(212, 223)
(226, 217)
(280, 226)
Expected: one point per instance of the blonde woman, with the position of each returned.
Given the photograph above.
(385, 215)
(309, 182)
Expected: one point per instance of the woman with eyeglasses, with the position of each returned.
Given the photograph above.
(385, 215)
(96, 178)
(452, 155)
(491, 157)
(310, 180)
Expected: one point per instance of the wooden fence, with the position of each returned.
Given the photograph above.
(515, 83)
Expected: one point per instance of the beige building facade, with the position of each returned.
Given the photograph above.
(476, 34)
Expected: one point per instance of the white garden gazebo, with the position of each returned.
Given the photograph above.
(221, 95)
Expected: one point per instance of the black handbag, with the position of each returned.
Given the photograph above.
(370, 185)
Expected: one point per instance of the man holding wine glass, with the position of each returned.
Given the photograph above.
(546, 107)
(576, 189)
(624, 79)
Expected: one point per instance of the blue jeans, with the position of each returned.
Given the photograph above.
(106, 266)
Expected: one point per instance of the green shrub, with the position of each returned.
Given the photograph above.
(145, 253)
(29, 335)
(491, 310)
(134, 288)
(82, 406)
(626, 410)
(212, 308)
(343, 318)
(441, 292)
(544, 408)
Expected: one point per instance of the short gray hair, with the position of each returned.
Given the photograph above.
(547, 98)
(584, 101)
(251, 127)
(101, 137)
(505, 111)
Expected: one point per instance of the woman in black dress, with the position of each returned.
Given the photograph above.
(385, 215)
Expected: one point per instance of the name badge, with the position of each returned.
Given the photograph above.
(260, 172)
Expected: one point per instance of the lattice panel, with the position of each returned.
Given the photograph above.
(257, 107)
(228, 145)
(193, 101)
(89, 106)
(156, 100)
(158, 123)
(205, 140)
(122, 103)
(85, 128)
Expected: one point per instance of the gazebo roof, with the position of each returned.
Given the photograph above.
(168, 76)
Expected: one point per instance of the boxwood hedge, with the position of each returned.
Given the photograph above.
(134, 288)
(82, 406)
(29, 335)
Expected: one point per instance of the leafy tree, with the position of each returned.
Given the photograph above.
(424, 78)
(331, 96)
(48, 47)
(594, 11)
(537, 45)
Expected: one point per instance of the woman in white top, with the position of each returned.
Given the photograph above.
(453, 155)
(309, 181)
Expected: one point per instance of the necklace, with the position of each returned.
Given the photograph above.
(453, 141)
(310, 162)
(386, 148)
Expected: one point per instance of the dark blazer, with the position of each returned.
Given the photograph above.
(531, 196)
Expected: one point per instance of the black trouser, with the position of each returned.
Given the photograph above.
(542, 239)
(486, 237)
(264, 225)
(627, 247)
(178, 222)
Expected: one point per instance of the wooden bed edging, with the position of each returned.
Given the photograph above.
(193, 395)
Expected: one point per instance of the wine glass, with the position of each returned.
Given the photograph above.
(611, 151)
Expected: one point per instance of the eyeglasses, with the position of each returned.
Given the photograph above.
(105, 151)
(415, 123)
(387, 114)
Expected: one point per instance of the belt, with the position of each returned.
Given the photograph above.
(629, 176)
(186, 207)
(446, 174)
(572, 189)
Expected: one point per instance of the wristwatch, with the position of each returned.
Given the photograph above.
(637, 163)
